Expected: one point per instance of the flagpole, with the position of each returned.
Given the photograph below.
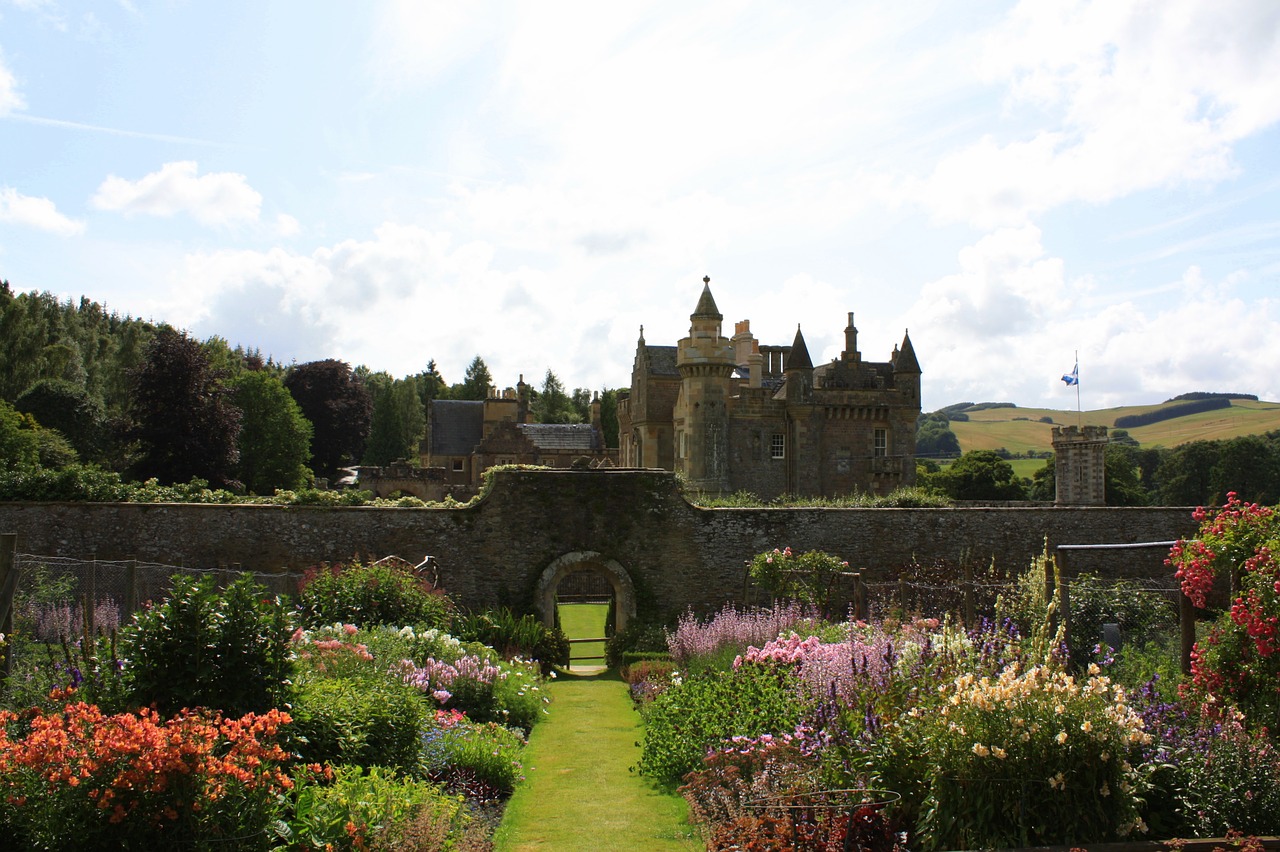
(1079, 411)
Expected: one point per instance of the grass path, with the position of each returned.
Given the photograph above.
(579, 792)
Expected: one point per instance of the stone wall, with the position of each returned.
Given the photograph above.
(676, 555)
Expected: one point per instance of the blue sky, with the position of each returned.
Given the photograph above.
(393, 182)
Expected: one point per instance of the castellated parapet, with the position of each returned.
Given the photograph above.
(1080, 466)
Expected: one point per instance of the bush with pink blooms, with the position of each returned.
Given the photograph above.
(1238, 663)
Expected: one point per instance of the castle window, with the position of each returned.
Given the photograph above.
(881, 446)
(778, 446)
(457, 465)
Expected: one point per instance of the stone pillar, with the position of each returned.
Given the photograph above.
(1079, 467)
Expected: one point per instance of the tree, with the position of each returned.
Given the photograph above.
(609, 416)
(934, 437)
(477, 381)
(339, 407)
(398, 422)
(275, 437)
(979, 475)
(18, 444)
(1249, 466)
(68, 408)
(1121, 471)
(1185, 474)
(552, 404)
(182, 414)
(431, 385)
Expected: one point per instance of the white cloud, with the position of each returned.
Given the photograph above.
(1109, 97)
(287, 226)
(218, 198)
(10, 99)
(40, 213)
(1008, 324)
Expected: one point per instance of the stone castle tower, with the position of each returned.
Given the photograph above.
(1080, 465)
(705, 361)
(731, 414)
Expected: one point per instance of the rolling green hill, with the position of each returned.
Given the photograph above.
(1020, 429)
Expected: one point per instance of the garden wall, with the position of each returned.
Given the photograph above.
(677, 555)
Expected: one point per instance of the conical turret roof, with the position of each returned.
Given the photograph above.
(707, 304)
(906, 361)
(798, 358)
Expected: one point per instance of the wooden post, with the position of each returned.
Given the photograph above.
(902, 596)
(8, 587)
(1187, 626)
(970, 616)
(859, 598)
(91, 598)
(1064, 609)
(131, 589)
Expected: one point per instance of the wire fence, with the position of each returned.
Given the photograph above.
(48, 601)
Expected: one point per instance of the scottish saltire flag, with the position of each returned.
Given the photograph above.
(1073, 378)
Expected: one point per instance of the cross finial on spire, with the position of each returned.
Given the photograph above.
(706, 279)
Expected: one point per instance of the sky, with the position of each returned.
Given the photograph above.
(398, 181)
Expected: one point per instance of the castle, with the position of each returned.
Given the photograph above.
(729, 414)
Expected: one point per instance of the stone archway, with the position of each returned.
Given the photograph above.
(624, 593)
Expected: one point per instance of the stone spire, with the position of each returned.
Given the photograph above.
(706, 308)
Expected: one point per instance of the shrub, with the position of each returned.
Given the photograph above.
(970, 764)
(226, 650)
(639, 637)
(348, 808)
(1142, 615)
(369, 595)
(467, 679)
(728, 633)
(704, 711)
(370, 721)
(1239, 661)
(516, 636)
(80, 779)
(479, 760)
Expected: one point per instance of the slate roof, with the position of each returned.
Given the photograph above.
(662, 360)
(560, 436)
(457, 425)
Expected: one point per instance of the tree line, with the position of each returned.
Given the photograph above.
(1199, 473)
(85, 390)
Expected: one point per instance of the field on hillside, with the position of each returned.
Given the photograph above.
(1019, 429)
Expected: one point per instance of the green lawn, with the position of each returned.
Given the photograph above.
(580, 792)
(584, 621)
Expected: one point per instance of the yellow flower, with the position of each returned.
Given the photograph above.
(980, 750)
(1087, 726)
(999, 752)
(1062, 737)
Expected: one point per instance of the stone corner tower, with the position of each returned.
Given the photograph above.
(1079, 466)
(705, 360)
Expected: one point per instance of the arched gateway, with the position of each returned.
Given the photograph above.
(624, 594)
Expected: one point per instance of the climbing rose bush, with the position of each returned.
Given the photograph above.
(1238, 662)
(807, 577)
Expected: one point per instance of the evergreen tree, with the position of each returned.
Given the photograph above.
(398, 422)
(552, 404)
(477, 381)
